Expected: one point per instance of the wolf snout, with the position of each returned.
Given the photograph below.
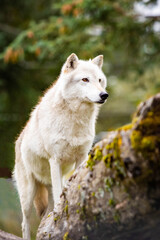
(103, 95)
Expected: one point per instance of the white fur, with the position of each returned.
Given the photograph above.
(60, 131)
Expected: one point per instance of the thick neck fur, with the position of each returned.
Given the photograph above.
(72, 118)
(77, 108)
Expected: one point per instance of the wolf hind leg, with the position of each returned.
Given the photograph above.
(27, 197)
(27, 189)
(41, 199)
(50, 205)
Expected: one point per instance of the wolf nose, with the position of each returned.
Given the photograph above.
(103, 95)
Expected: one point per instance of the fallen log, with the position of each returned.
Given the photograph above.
(116, 193)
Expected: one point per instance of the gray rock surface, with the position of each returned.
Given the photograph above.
(8, 236)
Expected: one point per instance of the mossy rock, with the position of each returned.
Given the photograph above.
(117, 189)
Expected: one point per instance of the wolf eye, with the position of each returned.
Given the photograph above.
(100, 80)
(85, 79)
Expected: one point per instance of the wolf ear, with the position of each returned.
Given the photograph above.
(98, 61)
(71, 63)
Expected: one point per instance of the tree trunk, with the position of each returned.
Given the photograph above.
(116, 193)
(8, 236)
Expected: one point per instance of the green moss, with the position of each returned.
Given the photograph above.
(134, 120)
(108, 160)
(109, 182)
(66, 236)
(110, 146)
(126, 127)
(111, 202)
(143, 143)
(150, 123)
(113, 158)
(90, 162)
(66, 209)
(136, 138)
(56, 219)
(93, 158)
(117, 144)
(145, 137)
(149, 126)
(98, 154)
(150, 114)
(114, 146)
(113, 149)
(77, 211)
(81, 211)
(120, 168)
(148, 142)
(93, 194)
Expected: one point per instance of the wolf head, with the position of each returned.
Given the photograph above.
(83, 80)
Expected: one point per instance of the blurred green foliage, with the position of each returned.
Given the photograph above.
(37, 36)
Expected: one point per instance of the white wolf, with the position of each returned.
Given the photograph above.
(59, 133)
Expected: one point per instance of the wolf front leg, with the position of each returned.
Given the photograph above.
(56, 177)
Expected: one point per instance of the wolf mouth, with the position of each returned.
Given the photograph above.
(101, 101)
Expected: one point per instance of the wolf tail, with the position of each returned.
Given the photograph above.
(41, 199)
